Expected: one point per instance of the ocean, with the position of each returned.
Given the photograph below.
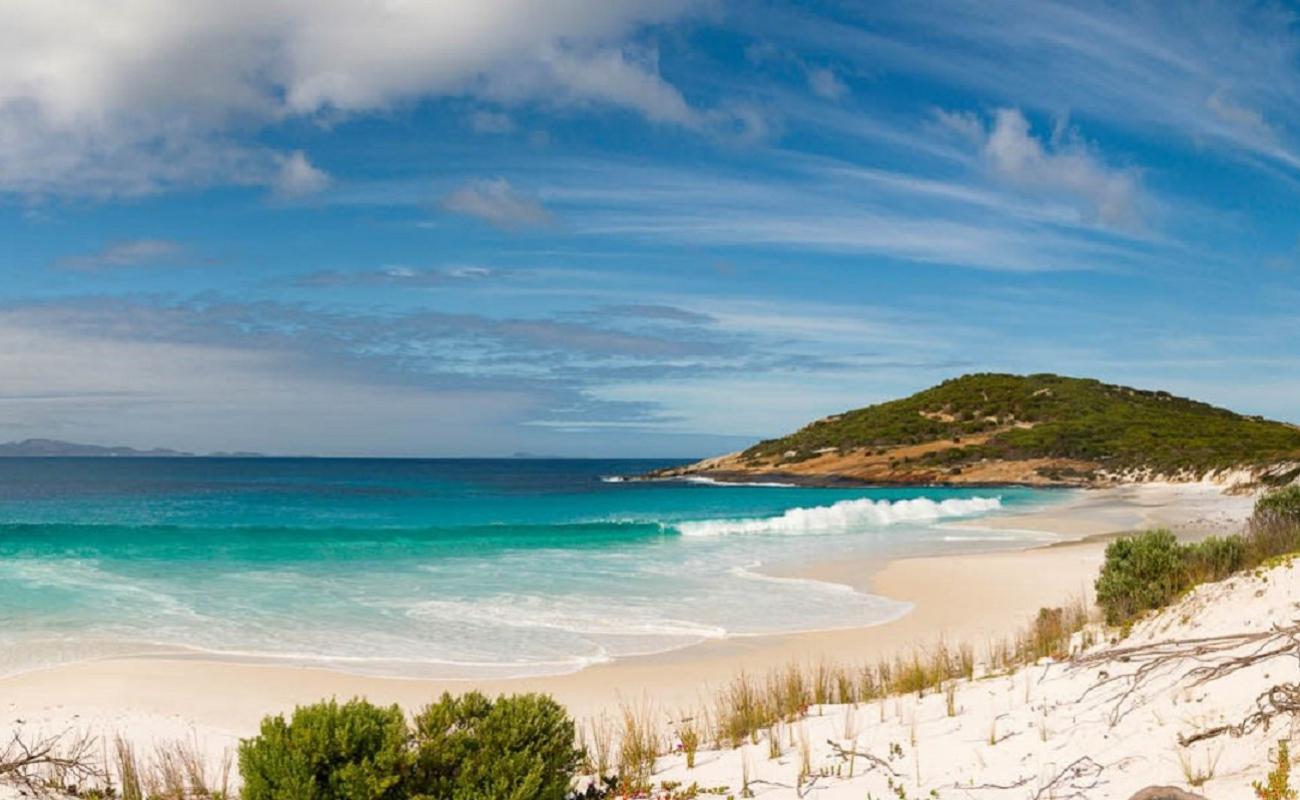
(437, 568)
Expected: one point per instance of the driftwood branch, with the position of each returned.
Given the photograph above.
(1080, 777)
(876, 761)
(1212, 654)
(1281, 699)
(45, 761)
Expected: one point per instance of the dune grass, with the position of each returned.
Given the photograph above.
(749, 709)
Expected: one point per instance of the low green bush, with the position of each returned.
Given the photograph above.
(1140, 573)
(516, 748)
(460, 748)
(1215, 558)
(1149, 570)
(328, 751)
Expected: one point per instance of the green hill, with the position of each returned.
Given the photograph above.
(1079, 422)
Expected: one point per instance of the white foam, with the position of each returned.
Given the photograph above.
(845, 516)
(703, 481)
(576, 616)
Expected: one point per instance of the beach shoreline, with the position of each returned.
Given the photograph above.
(971, 598)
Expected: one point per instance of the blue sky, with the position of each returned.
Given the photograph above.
(587, 227)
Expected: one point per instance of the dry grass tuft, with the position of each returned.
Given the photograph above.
(638, 748)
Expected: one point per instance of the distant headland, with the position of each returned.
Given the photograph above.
(54, 448)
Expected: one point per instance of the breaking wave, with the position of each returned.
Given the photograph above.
(845, 516)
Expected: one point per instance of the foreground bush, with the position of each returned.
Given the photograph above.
(327, 751)
(460, 748)
(516, 748)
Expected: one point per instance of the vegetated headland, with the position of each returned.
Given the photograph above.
(1037, 430)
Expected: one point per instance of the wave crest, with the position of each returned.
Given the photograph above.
(844, 516)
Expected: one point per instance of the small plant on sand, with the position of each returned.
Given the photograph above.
(637, 750)
(823, 684)
(598, 749)
(689, 734)
(805, 754)
(129, 774)
(911, 676)
(966, 661)
(1197, 776)
(1278, 784)
(741, 711)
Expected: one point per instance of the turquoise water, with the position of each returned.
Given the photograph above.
(435, 568)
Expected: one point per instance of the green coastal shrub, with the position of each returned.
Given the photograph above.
(328, 751)
(515, 748)
(460, 748)
(1274, 528)
(1282, 506)
(1215, 558)
(1140, 573)
(1151, 569)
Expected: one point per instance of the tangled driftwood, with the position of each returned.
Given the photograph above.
(45, 761)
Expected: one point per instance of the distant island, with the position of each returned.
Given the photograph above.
(1043, 430)
(54, 448)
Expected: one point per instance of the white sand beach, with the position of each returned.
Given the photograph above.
(967, 598)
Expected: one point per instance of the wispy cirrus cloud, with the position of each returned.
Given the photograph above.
(1202, 80)
(497, 202)
(392, 276)
(125, 253)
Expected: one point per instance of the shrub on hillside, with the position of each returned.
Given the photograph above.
(460, 748)
(328, 751)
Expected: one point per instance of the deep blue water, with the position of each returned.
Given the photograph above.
(434, 567)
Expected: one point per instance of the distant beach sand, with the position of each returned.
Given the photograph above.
(962, 598)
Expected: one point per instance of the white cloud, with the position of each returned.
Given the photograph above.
(130, 253)
(142, 95)
(965, 124)
(1067, 167)
(825, 83)
(299, 177)
(497, 202)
